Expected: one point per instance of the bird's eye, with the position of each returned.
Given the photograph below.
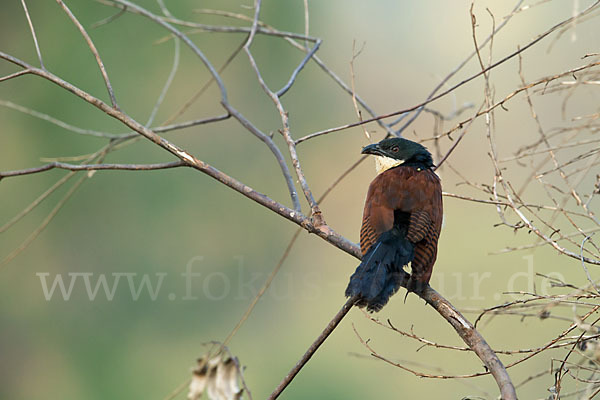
(395, 149)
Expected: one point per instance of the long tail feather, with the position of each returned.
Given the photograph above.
(380, 273)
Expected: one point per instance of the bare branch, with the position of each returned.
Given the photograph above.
(257, 4)
(224, 100)
(456, 70)
(94, 51)
(14, 75)
(465, 129)
(355, 54)
(137, 9)
(429, 343)
(274, 149)
(460, 324)
(299, 68)
(109, 19)
(44, 223)
(321, 230)
(315, 210)
(36, 202)
(474, 340)
(167, 85)
(500, 103)
(313, 348)
(189, 124)
(93, 167)
(213, 28)
(205, 87)
(320, 63)
(58, 122)
(32, 29)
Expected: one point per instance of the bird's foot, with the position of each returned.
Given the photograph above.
(414, 285)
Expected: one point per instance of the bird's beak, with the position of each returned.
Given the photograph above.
(372, 149)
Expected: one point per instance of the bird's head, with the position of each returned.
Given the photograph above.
(396, 151)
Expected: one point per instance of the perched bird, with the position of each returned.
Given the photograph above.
(401, 223)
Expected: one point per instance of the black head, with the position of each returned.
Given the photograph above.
(411, 153)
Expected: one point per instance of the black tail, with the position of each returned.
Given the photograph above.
(381, 272)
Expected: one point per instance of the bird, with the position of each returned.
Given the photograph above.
(401, 223)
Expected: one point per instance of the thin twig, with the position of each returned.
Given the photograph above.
(321, 230)
(93, 167)
(313, 348)
(257, 4)
(266, 139)
(33, 235)
(35, 40)
(168, 83)
(316, 214)
(56, 121)
(299, 68)
(109, 19)
(460, 66)
(14, 75)
(355, 55)
(219, 28)
(94, 51)
(161, 21)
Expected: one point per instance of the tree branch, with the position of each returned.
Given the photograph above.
(299, 68)
(313, 348)
(33, 35)
(274, 149)
(461, 325)
(473, 339)
(93, 167)
(93, 49)
(161, 21)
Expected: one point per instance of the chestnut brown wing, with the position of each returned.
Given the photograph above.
(417, 193)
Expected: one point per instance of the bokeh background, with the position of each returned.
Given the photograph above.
(157, 223)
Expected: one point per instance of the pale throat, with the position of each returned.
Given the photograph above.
(383, 163)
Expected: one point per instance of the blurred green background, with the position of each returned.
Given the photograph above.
(157, 223)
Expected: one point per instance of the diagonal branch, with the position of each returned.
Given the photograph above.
(313, 348)
(274, 149)
(219, 28)
(299, 68)
(474, 340)
(224, 100)
(285, 131)
(458, 68)
(14, 75)
(461, 325)
(55, 121)
(322, 231)
(142, 11)
(257, 5)
(267, 29)
(92, 47)
(32, 29)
